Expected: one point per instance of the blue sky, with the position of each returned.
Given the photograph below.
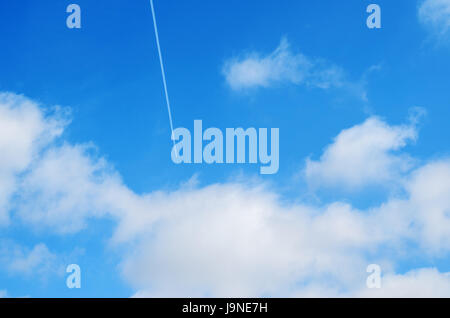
(363, 137)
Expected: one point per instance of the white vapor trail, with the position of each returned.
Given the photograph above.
(162, 71)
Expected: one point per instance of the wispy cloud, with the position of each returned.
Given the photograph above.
(435, 14)
(19, 260)
(283, 65)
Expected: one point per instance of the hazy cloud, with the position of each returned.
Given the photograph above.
(284, 65)
(435, 14)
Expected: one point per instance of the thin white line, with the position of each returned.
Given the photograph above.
(163, 72)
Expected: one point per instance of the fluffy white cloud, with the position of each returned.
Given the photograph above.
(237, 238)
(284, 66)
(242, 240)
(58, 186)
(423, 216)
(436, 15)
(66, 186)
(363, 154)
(429, 190)
(24, 130)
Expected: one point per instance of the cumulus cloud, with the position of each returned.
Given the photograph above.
(435, 14)
(239, 240)
(24, 130)
(242, 240)
(284, 66)
(418, 283)
(234, 238)
(48, 198)
(53, 185)
(429, 190)
(363, 154)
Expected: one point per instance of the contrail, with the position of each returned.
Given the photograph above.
(163, 72)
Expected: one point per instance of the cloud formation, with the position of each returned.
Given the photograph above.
(19, 260)
(363, 154)
(241, 240)
(435, 14)
(422, 283)
(24, 130)
(233, 238)
(284, 66)
(48, 199)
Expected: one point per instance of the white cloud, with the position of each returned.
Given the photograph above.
(65, 187)
(421, 216)
(38, 261)
(421, 283)
(242, 240)
(24, 130)
(3, 294)
(254, 70)
(361, 155)
(70, 184)
(435, 14)
(429, 190)
(284, 66)
(237, 238)
(58, 186)
(418, 283)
